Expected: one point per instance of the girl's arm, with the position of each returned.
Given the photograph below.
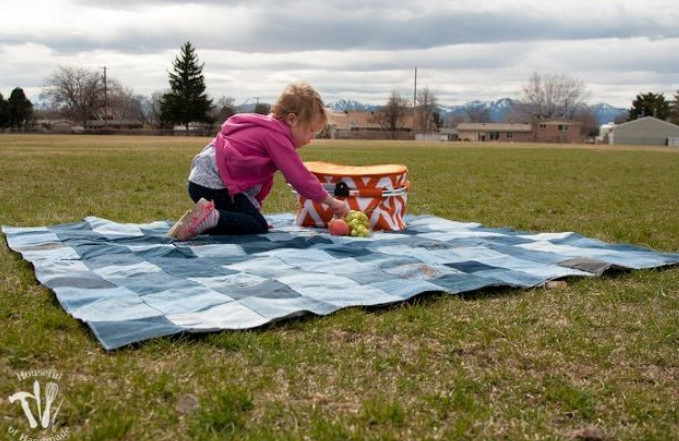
(288, 161)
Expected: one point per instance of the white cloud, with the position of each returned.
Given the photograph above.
(354, 49)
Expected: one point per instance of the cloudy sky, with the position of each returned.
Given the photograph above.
(363, 50)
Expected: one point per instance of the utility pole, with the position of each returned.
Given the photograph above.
(105, 92)
(414, 99)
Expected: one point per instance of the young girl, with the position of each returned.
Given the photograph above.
(231, 177)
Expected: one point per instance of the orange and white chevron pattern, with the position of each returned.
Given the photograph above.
(381, 192)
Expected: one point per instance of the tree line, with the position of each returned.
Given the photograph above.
(86, 96)
(544, 97)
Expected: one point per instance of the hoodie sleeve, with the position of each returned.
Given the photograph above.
(264, 192)
(288, 161)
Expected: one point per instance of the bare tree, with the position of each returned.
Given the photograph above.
(425, 108)
(456, 120)
(155, 114)
(586, 117)
(123, 104)
(551, 96)
(75, 92)
(437, 119)
(224, 108)
(146, 112)
(478, 114)
(392, 116)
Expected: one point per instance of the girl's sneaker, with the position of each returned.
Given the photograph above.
(202, 217)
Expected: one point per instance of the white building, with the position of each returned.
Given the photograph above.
(644, 131)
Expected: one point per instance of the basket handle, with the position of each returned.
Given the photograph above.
(343, 190)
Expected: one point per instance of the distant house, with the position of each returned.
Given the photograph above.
(449, 133)
(55, 126)
(119, 124)
(340, 124)
(482, 132)
(557, 131)
(352, 124)
(549, 131)
(644, 131)
(194, 129)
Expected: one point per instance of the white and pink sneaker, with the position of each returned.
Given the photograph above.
(202, 217)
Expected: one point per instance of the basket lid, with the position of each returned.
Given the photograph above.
(329, 168)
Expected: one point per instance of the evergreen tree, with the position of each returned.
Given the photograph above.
(3, 112)
(19, 109)
(187, 101)
(650, 104)
(674, 118)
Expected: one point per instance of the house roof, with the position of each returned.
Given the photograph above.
(351, 119)
(54, 121)
(494, 127)
(113, 122)
(448, 131)
(646, 118)
(559, 121)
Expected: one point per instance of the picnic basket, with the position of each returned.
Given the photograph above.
(380, 191)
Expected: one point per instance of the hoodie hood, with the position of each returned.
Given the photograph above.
(242, 121)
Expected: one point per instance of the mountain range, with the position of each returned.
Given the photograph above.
(497, 110)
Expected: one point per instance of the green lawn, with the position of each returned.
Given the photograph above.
(497, 364)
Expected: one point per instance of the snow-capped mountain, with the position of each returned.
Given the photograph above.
(351, 106)
(605, 113)
(497, 110)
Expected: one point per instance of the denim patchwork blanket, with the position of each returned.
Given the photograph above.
(131, 282)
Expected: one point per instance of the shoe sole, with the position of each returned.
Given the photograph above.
(180, 223)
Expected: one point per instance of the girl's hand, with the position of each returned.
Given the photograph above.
(339, 208)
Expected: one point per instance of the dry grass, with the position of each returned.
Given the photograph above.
(598, 358)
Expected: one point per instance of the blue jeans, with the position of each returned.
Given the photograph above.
(237, 215)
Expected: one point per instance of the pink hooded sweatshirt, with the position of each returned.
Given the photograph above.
(250, 148)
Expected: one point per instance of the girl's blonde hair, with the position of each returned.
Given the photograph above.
(302, 100)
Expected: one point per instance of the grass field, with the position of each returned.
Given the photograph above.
(599, 358)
